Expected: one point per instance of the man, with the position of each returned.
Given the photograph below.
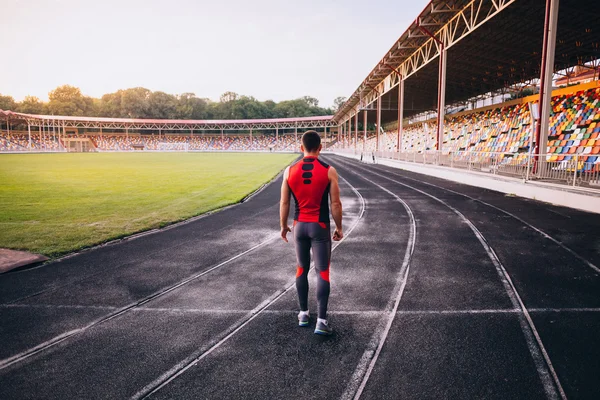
(312, 182)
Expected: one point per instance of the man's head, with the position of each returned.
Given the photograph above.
(311, 143)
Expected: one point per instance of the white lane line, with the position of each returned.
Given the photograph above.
(544, 234)
(59, 306)
(147, 256)
(546, 372)
(57, 339)
(373, 312)
(369, 358)
(181, 367)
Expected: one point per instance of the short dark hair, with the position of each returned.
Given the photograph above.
(311, 141)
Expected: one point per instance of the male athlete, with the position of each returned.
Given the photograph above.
(312, 182)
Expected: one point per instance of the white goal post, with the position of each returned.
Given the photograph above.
(175, 146)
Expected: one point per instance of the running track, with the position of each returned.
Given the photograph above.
(439, 290)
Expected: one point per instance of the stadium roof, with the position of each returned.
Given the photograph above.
(491, 44)
(169, 124)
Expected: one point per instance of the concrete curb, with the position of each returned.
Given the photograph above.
(560, 195)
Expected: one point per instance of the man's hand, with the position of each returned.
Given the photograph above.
(284, 232)
(338, 235)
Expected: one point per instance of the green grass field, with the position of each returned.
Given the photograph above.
(56, 203)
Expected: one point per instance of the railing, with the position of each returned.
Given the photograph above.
(580, 170)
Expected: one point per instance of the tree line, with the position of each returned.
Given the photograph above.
(143, 103)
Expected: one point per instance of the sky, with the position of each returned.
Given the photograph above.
(269, 49)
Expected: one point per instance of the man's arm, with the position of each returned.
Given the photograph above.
(284, 205)
(336, 204)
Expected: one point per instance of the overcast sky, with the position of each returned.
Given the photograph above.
(269, 49)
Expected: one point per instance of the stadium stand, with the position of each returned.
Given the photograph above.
(19, 141)
(574, 129)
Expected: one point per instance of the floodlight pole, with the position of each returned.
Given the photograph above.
(547, 70)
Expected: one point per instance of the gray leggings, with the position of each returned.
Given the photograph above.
(315, 235)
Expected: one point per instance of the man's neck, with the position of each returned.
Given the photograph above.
(311, 155)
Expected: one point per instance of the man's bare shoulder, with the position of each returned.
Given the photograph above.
(332, 173)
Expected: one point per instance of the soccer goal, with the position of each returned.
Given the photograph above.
(175, 146)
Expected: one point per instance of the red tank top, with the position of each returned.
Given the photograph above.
(308, 181)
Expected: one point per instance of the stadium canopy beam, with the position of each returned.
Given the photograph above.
(315, 122)
(546, 74)
(457, 22)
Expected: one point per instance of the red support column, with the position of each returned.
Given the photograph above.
(547, 70)
(365, 130)
(400, 113)
(441, 86)
(441, 99)
(378, 121)
(349, 133)
(29, 134)
(356, 131)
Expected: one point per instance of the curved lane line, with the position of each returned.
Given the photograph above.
(57, 339)
(539, 354)
(544, 234)
(196, 357)
(369, 358)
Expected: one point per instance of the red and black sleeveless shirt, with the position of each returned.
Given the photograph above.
(308, 181)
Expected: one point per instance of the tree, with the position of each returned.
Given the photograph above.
(110, 105)
(140, 102)
(162, 105)
(191, 107)
(311, 101)
(7, 103)
(134, 103)
(30, 105)
(228, 96)
(68, 100)
(338, 102)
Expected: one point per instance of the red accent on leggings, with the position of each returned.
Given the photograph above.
(325, 275)
(299, 271)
